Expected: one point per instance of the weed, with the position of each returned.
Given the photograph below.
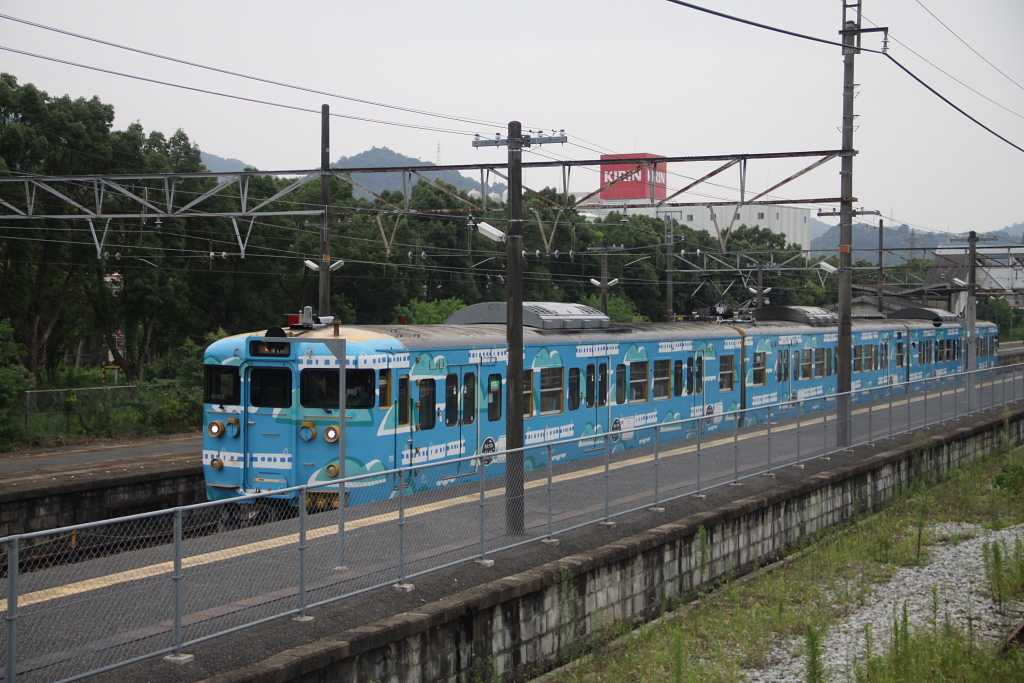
(815, 669)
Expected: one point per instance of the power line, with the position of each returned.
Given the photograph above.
(824, 41)
(241, 98)
(968, 45)
(148, 53)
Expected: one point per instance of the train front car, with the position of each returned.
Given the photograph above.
(272, 411)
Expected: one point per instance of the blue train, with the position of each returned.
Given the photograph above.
(418, 394)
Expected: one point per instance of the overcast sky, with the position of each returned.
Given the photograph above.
(638, 76)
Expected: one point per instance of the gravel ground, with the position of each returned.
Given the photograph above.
(956, 570)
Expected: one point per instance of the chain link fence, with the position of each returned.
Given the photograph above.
(88, 598)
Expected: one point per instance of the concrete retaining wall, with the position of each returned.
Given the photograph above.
(525, 624)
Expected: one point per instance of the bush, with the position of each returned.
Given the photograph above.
(14, 380)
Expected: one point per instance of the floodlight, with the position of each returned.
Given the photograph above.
(958, 282)
(613, 282)
(490, 232)
(337, 264)
(595, 282)
(826, 266)
(311, 265)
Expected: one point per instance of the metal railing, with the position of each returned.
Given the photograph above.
(84, 599)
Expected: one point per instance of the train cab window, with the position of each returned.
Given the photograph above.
(662, 378)
(620, 384)
(901, 355)
(726, 372)
(527, 393)
(637, 382)
(427, 415)
(677, 378)
(819, 362)
(602, 384)
(222, 385)
(272, 387)
(451, 400)
(760, 374)
(469, 398)
(551, 391)
(384, 388)
(591, 385)
(494, 397)
(403, 400)
(319, 388)
(574, 388)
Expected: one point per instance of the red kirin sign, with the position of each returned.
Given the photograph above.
(631, 180)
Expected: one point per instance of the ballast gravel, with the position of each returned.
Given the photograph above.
(956, 570)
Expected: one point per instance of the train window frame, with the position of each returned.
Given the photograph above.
(901, 354)
(575, 389)
(426, 413)
(678, 381)
(494, 394)
(698, 375)
(806, 364)
(325, 396)
(820, 362)
(723, 361)
(269, 371)
(602, 385)
(795, 364)
(469, 398)
(213, 378)
(384, 388)
(639, 381)
(451, 399)
(759, 369)
(661, 388)
(590, 396)
(828, 362)
(883, 358)
(404, 400)
(620, 384)
(552, 390)
(858, 358)
(782, 366)
(529, 409)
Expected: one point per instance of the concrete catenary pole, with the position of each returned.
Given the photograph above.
(514, 491)
(324, 299)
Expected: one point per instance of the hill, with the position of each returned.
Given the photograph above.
(865, 237)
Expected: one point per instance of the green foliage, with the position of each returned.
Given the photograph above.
(14, 380)
(1004, 570)
(815, 667)
(620, 308)
(419, 312)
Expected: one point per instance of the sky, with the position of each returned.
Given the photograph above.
(639, 76)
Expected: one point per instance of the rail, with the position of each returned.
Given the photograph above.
(88, 598)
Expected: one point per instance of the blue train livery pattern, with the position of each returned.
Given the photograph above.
(428, 394)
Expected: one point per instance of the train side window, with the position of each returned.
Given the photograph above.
(637, 382)
(469, 398)
(760, 374)
(451, 400)
(828, 362)
(900, 355)
(403, 400)
(796, 365)
(551, 391)
(698, 375)
(782, 365)
(272, 387)
(427, 417)
(223, 385)
(858, 359)
(528, 393)
(806, 364)
(677, 378)
(620, 384)
(726, 372)
(574, 388)
(591, 385)
(689, 375)
(819, 362)
(494, 397)
(883, 362)
(602, 384)
(662, 378)
(384, 388)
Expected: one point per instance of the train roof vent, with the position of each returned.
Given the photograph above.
(936, 316)
(805, 315)
(542, 315)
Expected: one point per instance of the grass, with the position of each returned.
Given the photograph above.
(737, 627)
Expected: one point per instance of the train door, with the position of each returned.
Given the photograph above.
(269, 437)
(458, 436)
(783, 375)
(489, 423)
(594, 406)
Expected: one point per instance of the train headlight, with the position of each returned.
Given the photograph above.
(217, 464)
(233, 427)
(331, 434)
(215, 429)
(307, 431)
(333, 470)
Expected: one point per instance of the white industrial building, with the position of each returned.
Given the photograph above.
(790, 221)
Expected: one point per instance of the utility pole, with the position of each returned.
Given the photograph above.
(760, 287)
(324, 299)
(604, 284)
(515, 501)
(970, 314)
(843, 415)
(669, 304)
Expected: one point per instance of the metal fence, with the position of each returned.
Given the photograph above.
(88, 598)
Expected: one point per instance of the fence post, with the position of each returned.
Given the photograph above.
(178, 578)
(871, 417)
(482, 560)
(27, 395)
(341, 526)
(700, 425)
(402, 584)
(12, 610)
(547, 486)
(302, 616)
(799, 413)
(607, 466)
(657, 478)
(890, 406)
(736, 455)
(769, 422)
